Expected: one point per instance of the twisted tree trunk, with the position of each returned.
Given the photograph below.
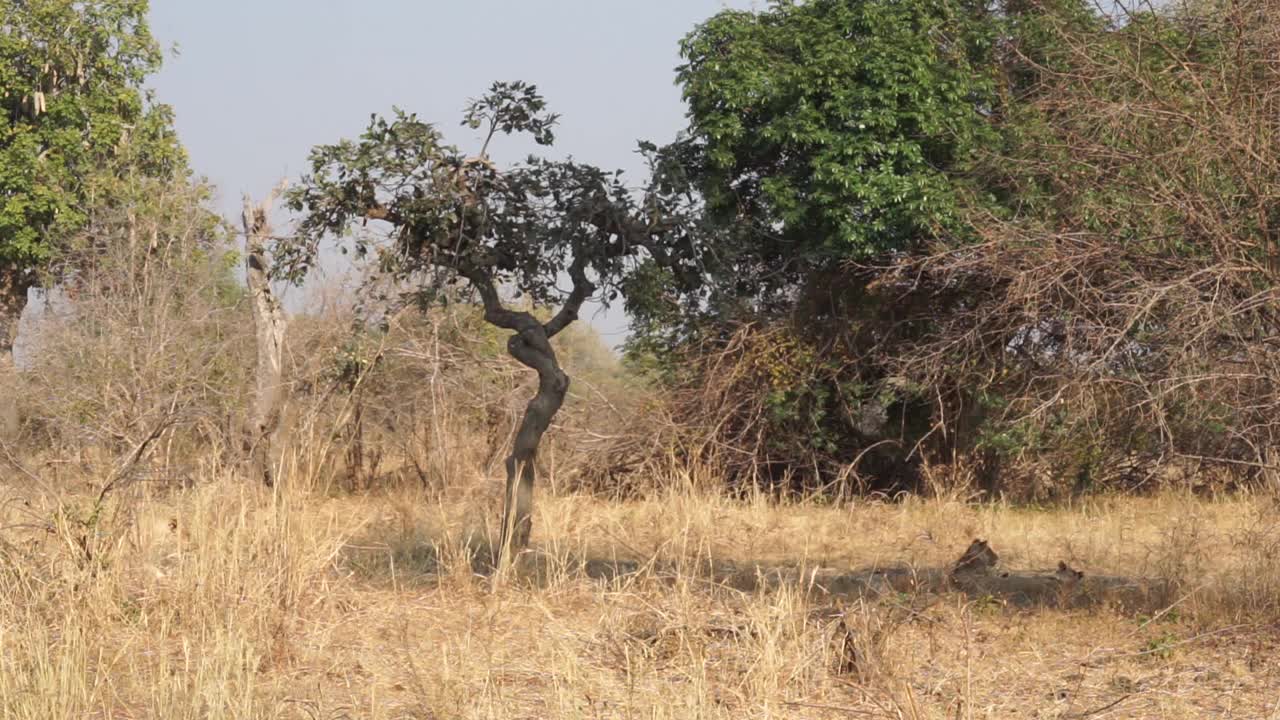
(532, 347)
(264, 422)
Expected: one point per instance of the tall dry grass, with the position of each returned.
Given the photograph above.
(225, 599)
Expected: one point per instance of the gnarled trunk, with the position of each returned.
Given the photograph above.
(532, 347)
(264, 422)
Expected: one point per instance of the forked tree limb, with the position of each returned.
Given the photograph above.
(582, 289)
(531, 346)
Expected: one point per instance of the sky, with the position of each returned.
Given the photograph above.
(256, 83)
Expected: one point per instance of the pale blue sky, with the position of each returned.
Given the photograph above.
(256, 84)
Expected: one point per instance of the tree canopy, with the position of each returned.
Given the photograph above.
(457, 217)
(76, 120)
(835, 129)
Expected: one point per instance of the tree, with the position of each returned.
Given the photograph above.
(76, 121)
(822, 135)
(264, 425)
(832, 130)
(460, 224)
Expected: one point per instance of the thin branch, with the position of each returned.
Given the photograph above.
(582, 289)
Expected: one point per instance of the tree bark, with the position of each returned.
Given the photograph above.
(9, 420)
(264, 422)
(531, 346)
(13, 300)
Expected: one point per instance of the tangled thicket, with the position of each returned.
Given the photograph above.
(1122, 319)
(1110, 320)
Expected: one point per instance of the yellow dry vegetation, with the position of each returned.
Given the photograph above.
(226, 600)
(144, 575)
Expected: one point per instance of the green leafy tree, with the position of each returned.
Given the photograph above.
(821, 134)
(832, 130)
(554, 231)
(77, 124)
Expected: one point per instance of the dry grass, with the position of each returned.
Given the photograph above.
(224, 600)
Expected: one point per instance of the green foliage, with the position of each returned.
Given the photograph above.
(76, 121)
(1161, 646)
(457, 216)
(353, 360)
(836, 127)
(822, 133)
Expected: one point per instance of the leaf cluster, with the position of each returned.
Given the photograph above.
(837, 128)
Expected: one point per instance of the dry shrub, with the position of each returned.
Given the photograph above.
(431, 399)
(150, 348)
(1119, 330)
(149, 343)
(797, 407)
(141, 368)
(756, 407)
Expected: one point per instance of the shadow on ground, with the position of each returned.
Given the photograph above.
(976, 574)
